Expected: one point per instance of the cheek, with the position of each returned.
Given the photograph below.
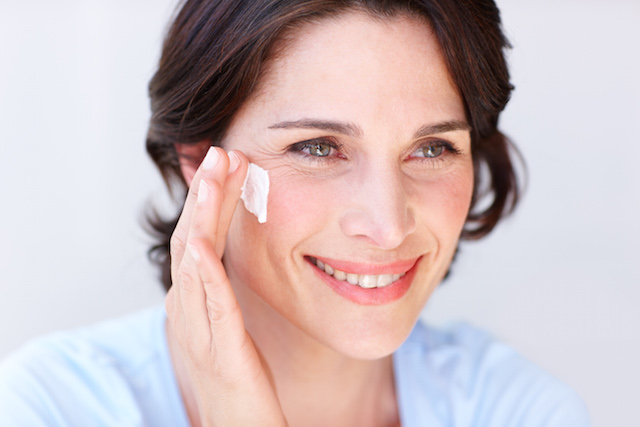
(299, 205)
(262, 257)
(444, 203)
(297, 209)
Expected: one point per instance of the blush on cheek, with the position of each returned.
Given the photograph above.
(260, 255)
(296, 204)
(455, 196)
(444, 203)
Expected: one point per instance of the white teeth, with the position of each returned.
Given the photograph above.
(340, 275)
(328, 269)
(384, 280)
(367, 281)
(352, 278)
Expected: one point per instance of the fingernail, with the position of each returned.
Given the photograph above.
(234, 162)
(211, 159)
(194, 252)
(203, 191)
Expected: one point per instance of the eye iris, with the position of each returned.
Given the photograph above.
(319, 150)
(433, 151)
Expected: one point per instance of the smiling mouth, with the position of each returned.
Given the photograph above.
(366, 281)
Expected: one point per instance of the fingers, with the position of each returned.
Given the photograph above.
(190, 312)
(213, 195)
(216, 171)
(205, 211)
(232, 190)
(224, 318)
(213, 168)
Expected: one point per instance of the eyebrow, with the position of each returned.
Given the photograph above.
(338, 127)
(450, 126)
(353, 130)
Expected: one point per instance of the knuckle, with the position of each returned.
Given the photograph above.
(187, 281)
(177, 242)
(219, 314)
(198, 225)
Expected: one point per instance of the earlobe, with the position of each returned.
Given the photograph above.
(190, 156)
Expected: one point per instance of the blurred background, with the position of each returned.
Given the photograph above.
(558, 281)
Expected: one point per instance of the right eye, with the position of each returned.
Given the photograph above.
(316, 149)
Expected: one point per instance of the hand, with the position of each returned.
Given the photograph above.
(231, 385)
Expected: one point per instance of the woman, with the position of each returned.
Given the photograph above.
(376, 122)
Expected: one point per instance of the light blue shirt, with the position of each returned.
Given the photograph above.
(119, 373)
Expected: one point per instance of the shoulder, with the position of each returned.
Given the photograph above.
(469, 378)
(105, 372)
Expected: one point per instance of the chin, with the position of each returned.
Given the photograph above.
(374, 341)
(372, 350)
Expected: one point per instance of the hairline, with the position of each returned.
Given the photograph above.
(286, 37)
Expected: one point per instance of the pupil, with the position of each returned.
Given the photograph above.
(434, 151)
(320, 150)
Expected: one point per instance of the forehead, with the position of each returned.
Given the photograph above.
(357, 67)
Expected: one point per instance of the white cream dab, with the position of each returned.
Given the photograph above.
(255, 192)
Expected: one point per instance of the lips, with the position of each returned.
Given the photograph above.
(366, 284)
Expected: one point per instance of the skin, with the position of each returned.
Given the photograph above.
(264, 329)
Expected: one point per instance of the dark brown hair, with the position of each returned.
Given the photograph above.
(216, 51)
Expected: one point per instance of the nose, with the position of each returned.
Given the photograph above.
(378, 209)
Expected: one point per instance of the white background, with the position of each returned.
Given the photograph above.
(559, 281)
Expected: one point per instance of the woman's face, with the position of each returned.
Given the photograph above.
(368, 151)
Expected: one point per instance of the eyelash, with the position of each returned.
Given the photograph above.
(334, 147)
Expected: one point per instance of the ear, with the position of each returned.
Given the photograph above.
(190, 156)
